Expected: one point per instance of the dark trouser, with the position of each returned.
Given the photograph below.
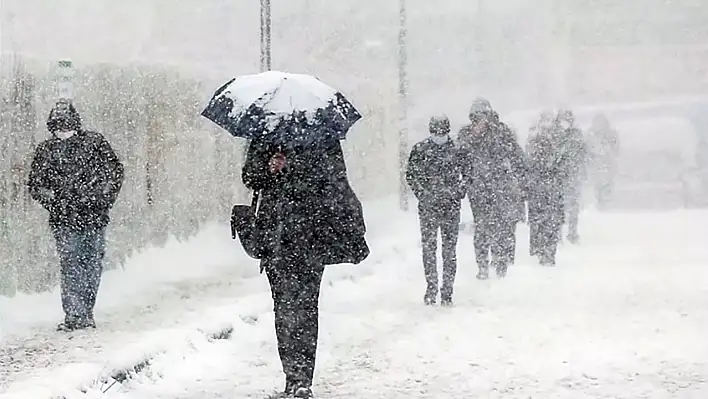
(496, 236)
(296, 295)
(81, 252)
(572, 209)
(603, 193)
(604, 188)
(446, 219)
(545, 225)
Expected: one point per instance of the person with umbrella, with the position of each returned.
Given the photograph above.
(434, 175)
(308, 216)
(573, 144)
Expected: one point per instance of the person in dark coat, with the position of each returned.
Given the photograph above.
(547, 186)
(76, 176)
(308, 217)
(493, 168)
(434, 175)
(576, 155)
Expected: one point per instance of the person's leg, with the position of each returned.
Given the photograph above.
(450, 231)
(282, 298)
(429, 243)
(295, 290)
(551, 230)
(503, 246)
(67, 244)
(534, 220)
(512, 244)
(482, 244)
(93, 249)
(573, 214)
(306, 322)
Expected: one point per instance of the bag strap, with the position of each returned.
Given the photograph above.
(254, 201)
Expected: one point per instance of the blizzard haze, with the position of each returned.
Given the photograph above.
(641, 62)
(518, 52)
(623, 315)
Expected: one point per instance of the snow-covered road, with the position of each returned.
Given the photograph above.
(622, 316)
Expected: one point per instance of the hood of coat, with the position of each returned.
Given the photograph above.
(64, 120)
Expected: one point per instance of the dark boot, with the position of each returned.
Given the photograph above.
(302, 392)
(290, 386)
(573, 238)
(501, 269)
(66, 326)
(431, 296)
(85, 322)
(547, 258)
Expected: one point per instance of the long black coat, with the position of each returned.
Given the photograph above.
(494, 170)
(77, 180)
(550, 170)
(576, 153)
(308, 213)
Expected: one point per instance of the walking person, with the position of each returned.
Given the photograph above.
(575, 151)
(309, 217)
(304, 214)
(76, 176)
(547, 185)
(434, 175)
(604, 149)
(493, 168)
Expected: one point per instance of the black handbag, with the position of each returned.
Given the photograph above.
(243, 226)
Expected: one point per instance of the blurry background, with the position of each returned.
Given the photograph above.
(145, 68)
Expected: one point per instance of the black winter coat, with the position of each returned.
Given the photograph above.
(434, 173)
(77, 180)
(576, 153)
(308, 213)
(494, 170)
(549, 178)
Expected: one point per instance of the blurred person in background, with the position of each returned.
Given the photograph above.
(493, 168)
(76, 176)
(573, 145)
(434, 175)
(548, 178)
(603, 151)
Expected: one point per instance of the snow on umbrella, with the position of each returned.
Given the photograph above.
(282, 108)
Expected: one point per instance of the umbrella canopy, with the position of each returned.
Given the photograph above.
(282, 108)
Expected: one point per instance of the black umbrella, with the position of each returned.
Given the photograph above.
(281, 108)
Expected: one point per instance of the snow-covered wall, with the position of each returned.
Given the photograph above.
(181, 170)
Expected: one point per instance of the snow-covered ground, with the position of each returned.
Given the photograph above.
(623, 316)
